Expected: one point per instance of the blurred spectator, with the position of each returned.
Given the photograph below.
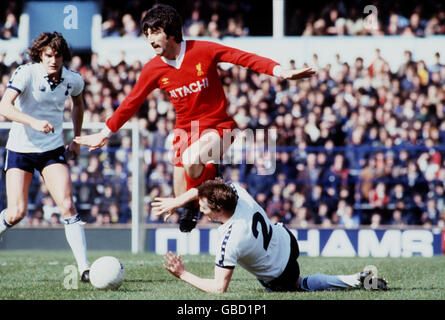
(9, 29)
(378, 197)
(130, 27)
(194, 26)
(347, 217)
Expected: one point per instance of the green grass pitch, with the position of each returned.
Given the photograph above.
(39, 275)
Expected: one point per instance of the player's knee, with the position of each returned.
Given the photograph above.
(67, 208)
(194, 171)
(190, 160)
(16, 213)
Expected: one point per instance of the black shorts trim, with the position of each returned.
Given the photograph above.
(34, 161)
(287, 281)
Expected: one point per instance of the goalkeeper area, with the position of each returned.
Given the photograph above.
(40, 275)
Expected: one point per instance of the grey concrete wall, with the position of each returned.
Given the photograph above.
(54, 239)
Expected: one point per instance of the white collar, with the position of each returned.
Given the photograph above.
(45, 74)
(177, 62)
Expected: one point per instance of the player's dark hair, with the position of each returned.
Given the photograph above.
(219, 195)
(165, 17)
(53, 40)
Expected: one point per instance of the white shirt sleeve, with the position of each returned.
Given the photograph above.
(78, 86)
(227, 256)
(20, 79)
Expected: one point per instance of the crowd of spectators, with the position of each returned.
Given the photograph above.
(213, 18)
(222, 18)
(355, 145)
(218, 18)
(359, 18)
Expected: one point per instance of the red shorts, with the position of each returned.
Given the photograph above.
(184, 138)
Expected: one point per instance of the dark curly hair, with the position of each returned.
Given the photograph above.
(53, 40)
(165, 17)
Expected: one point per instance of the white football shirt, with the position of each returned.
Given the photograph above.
(251, 240)
(43, 100)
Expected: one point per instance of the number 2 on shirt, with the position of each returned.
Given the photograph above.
(267, 234)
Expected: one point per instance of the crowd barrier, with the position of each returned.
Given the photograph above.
(313, 242)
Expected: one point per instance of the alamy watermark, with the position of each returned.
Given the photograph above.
(254, 147)
(371, 281)
(71, 19)
(71, 279)
(371, 21)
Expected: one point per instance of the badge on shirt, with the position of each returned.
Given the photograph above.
(199, 70)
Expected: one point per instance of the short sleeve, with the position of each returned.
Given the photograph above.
(227, 256)
(20, 79)
(78, 86)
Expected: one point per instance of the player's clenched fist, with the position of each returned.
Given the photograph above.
(42, 126)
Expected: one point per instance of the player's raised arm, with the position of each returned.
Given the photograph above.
(170, 205)
(257, 63)
(8, 110)
(127, 109)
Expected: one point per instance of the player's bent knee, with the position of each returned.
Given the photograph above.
(194, 171)
(190, 159)
(67, 208)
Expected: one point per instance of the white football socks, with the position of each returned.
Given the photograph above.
(4, 226)
(75, 235)
(352, 280)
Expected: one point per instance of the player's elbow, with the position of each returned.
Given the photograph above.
(2, 109)
(219, 289)
(5, 108)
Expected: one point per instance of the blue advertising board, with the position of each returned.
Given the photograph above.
(73, 19)
(317, 242)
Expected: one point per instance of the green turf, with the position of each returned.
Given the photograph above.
(40, 275)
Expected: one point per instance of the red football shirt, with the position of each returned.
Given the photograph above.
(194, 87)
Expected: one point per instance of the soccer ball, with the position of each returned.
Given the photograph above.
(107, 273)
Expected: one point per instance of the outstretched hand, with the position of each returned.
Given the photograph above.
(164, 205)
(291, 74)
(94, 141)
(174, 264)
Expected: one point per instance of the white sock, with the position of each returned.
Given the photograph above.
(75, 235)
(352, 280)
(4, 226)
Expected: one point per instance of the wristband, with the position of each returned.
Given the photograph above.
(106, 132)
(277, 71)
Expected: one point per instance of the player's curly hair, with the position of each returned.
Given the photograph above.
(165, 17)
(219, 195)
(53, 40)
